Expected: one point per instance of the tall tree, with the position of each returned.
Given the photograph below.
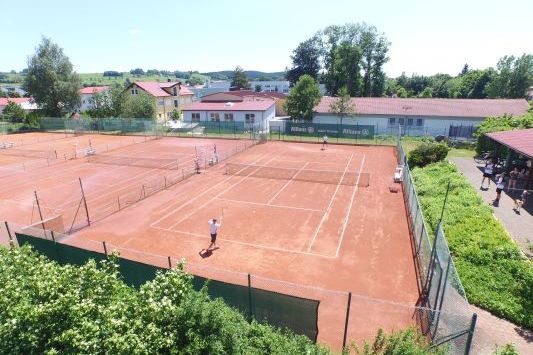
(304, 96)
(141, 105)
(51, 80)
(345, 69)
(514, 76)
(305, 60)
(240, 80)
(465, 70)
(343, 105)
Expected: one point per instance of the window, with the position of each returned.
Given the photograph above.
(392, 121)
(250, 118)
(195, 117)
(215, 116)
(176, 102)
(419, 122)
(174, 91)
(409, 121)
(401, 121)
(228, 117)
(134, 91)
(160, 102)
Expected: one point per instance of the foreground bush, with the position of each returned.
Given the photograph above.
(409, 341)
(47, 308)
(427, 153)
(494, 273)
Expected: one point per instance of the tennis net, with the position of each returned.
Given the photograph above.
(334, 177)
(151, 163)
(43, 154)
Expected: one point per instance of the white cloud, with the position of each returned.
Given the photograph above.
(135, 31)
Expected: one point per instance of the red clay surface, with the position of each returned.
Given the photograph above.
(328, 239)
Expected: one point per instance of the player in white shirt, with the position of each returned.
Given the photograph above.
(324, 141)
(213, 230)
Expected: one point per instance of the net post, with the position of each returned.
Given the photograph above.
(85, 203)
(471, 334)
(250, 311)
(347, 319)
(118, 201)
(39, 209)
(55, 152)
(53, 236)
(165, 177)
(105, 247)
(169, 263)
(143, 192)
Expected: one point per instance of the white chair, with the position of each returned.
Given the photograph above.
(398, 174)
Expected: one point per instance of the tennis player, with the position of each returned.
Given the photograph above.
(499, 187)
(213, 230)
(215, 153)
(197, 165)
(519, 202)
(324, 141)
(487, 173)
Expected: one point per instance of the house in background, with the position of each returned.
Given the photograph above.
(281, 86)
(448, 117)
(26, 103)
(248, 95)
(250, 114)
(88, 92)
(168, 96)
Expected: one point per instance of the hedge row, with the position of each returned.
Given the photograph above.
(494, 273)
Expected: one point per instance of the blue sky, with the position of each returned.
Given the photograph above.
(209, 35)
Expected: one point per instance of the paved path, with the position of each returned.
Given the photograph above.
(519, 226)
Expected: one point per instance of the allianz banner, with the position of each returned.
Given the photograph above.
(332, 130)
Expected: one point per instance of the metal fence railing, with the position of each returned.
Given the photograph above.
(450, 321)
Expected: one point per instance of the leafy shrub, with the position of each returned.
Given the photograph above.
(427, 153)
(494, 273)
(48, 308)
(409, 341)
(508, 349)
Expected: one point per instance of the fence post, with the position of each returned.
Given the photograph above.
(471, 334)
(53, 237)
(39, 209)
(347, 319)
(432, 258)
(105, 248)
(11, 244)
(250, 311)
(85, 203)
(169, 263)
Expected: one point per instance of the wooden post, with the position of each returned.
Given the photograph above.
(39, 209)
(105, 248)
(347, 319)
(85, 203)
(169, 263)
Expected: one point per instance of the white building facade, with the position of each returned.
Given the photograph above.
(248, 114)
(87, 94)
(282, 86)
(419, 117)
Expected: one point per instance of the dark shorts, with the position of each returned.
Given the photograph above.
(325, 142)
(498, 190)
(487, 175)
(213, 238)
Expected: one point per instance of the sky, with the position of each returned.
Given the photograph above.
(427, 37)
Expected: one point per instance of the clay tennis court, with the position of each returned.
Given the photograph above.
(319, 222)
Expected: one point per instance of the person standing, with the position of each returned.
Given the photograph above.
(213, 231)
(513, 178)
(521, 201)
(324, 141)
(499, 187)
(487, 173)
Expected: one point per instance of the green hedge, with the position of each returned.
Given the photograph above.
(48, 308)
(494, 273)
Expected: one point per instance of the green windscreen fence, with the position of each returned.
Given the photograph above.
(332, 130)
(284, 311)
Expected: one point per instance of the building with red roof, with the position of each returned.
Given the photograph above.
(26, 103)
(420, 116)
(253, 114)
(87, 94)
(168, 96)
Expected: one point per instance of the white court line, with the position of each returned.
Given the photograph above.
(329, 206)
(173, 210)
(257, 246)
(350, 207)
(266, 205)
(286, 184)
(220, 193)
